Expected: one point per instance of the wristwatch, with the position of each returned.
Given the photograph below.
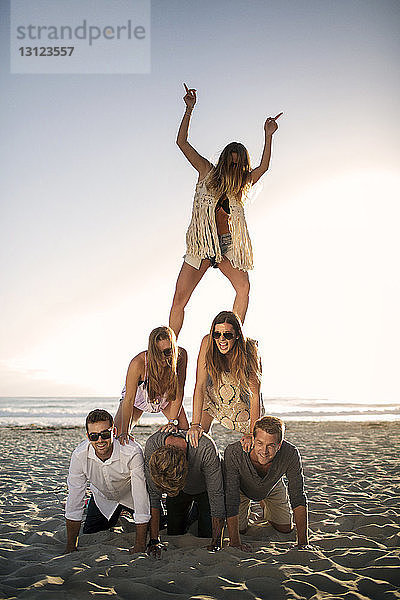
(173, 422)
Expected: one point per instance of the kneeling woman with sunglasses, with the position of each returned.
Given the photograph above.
(154, 383)
(227, 381)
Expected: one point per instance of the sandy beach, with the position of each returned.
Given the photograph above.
(352, 481)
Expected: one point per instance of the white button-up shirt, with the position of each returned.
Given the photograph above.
(118, 480)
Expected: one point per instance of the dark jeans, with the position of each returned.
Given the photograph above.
(184, 509)
(96, 521)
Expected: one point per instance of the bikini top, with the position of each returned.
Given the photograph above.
(223, 203)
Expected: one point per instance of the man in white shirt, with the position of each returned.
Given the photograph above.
(117, 481)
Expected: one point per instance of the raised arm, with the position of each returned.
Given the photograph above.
(196, 431)
(270, 126)
(201, 164)
(124, 414)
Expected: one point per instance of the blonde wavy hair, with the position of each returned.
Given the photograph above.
(168, 469)
(230, 179)
(162, 380)
(243, 361)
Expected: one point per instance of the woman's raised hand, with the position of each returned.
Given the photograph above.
(271, 125)
(190, 97)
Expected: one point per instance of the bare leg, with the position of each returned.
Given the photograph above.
(240, 281)
(188, 279)
(183, 422)
(282, 527)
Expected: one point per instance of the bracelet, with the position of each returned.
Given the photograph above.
(195, 425)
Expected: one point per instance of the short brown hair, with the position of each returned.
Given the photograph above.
(272, 425)
(168, 469)
(98, 414)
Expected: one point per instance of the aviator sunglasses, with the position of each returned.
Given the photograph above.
(105, 435)
(227, 335)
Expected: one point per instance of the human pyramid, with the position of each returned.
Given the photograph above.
(180, 478)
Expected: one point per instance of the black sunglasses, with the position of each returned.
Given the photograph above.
(105, 435)
(228, 335)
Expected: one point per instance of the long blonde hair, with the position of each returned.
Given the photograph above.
(162, 380)
(230, 179)
(243, 360)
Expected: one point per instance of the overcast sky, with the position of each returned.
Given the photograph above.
(96, 199)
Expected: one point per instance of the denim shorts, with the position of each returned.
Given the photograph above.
(225, 244)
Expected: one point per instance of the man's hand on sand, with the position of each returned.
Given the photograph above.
(241, 546)
(304, 547)
(137, 548)
(214, 546)
(155, 548)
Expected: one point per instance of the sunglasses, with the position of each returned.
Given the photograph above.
(227, 335)
(105, 435)
(167, 352)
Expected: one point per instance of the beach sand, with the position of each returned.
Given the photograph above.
(352, 476)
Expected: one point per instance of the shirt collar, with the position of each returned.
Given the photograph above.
(114, 456)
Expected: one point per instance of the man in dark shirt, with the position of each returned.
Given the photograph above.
(186, 475)
(257, 475)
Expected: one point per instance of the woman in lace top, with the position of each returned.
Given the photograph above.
(217, 234)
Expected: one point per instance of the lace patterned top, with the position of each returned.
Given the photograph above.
(202, 235)
(227, 404)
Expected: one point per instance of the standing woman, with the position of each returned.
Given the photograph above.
(217, 233)
(155, 382)
(227, 381)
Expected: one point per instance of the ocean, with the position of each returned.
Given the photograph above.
(71, 412)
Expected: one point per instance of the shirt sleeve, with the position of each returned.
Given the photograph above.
(212, 471)
(77, 484)
(139, 491)
(294, 474)
(155, 495)
(232, 482)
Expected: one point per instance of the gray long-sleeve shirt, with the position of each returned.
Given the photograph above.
(204, 472)
(240, 475)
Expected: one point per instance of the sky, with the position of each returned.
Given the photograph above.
(96, 199)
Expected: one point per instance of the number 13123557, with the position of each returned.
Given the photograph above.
(46, 50)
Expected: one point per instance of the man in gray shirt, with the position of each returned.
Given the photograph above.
(257, 475)
(186, 475)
